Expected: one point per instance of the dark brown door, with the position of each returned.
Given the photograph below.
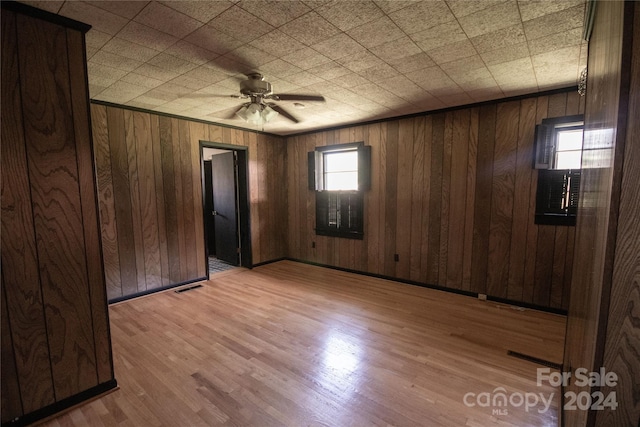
(208, 208)
(225, 213)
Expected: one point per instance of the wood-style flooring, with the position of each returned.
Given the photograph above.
(297, 345)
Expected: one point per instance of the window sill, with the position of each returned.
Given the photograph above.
(343, 234)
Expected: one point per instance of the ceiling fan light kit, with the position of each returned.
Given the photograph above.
(259, 112)
(256, 113)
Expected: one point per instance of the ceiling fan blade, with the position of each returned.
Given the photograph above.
(296, 97)
(284, 113)
(206, 95)
(229, 113)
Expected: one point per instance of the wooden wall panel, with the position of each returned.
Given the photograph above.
(482, 208)
(404, 198)
(294, 164)
(19, 257)
(122, 201)
(10, 389)
(521, 198)
(278, 210)
(623, 323)
(444, 198)
(147, 199)
(197, 133)
(472, 156)
(160, 202)
(435, 198)
(134, 195)
(426, 197)
(417, 182)
(89, 202)
(502, 193)
(189, 203)
(57, 210)
(255, 170)
(602, 327)
(549, 254)
(457, 197)
(156, 182)
(310, 203)
(261, 172)
(372, 198)
(595, 230)
(391, 199)
(453, 194)
(167, 136)
(55, 329)
(180, 206)
(532, 229)
(108, 224)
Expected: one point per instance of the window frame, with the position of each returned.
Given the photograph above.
(325, 172)
(351, 201)
(559, 130)
(555, 186)
(545, 139)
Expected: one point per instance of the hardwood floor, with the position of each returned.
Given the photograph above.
(293, 344)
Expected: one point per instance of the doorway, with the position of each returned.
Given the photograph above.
(225, 206)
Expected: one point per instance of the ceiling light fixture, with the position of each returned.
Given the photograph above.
(582, 82)
(257, 113)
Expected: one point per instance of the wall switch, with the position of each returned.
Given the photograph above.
(482, 297)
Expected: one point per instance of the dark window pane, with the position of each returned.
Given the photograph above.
(339, 213)
(557, 197)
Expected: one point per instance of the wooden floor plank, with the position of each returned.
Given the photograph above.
(294, 344)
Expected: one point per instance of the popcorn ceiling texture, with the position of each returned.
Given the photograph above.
(370, 59)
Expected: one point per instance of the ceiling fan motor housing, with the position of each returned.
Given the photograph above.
(255, 86)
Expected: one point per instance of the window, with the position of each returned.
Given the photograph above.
(568, 151)
(558, 143)
(558, 156)
(341, 170)
(339, 175)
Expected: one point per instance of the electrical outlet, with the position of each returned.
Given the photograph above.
(482, 297)
(396, 257)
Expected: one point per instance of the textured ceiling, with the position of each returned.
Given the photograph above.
(369, 59)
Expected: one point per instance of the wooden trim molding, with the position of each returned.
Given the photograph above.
(45, 16)
(176, 116)
(55, 409)
(153, 291)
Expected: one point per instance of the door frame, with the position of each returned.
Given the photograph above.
(244, 214)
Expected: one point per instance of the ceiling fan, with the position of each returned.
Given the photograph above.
(259, 110)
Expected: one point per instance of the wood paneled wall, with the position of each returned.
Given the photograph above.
(55, 331)
(622, 340)
(623, 323)
(453, 194)
(150, 193)
(602, 327)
